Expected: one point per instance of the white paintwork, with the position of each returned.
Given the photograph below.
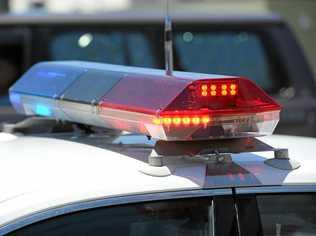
(39, 173)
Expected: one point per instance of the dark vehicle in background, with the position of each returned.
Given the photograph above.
(261, 48)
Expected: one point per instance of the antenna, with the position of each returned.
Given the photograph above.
(168, 42)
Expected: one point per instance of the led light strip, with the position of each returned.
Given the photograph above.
(185, 120)
(226, 89)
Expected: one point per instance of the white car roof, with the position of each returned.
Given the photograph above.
(40, 173)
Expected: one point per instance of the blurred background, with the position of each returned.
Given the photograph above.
(300, 14)
(270, 41)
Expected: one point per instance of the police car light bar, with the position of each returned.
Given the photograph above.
(187, 106)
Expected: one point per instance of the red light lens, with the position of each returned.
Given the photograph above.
(224, 96)
(183, 109)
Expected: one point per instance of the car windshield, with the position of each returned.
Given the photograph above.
(231, 53)
(115, 47)
(239, 53)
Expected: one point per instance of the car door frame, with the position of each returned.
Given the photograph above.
(74, 207)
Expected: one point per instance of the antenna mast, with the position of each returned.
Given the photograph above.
(168, 42)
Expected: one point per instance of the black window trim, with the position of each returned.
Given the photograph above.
(105, 202)
(140, 198)
(290, 188)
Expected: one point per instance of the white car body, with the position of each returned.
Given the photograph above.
(41, 173)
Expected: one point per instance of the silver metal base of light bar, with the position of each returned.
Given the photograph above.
(162, 166)
(154, 159)
(156, 166)
(205, 147)
(282, 161)
(156, 171)
(283, 164)
(211, 151)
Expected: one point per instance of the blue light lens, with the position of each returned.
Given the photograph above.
(15, 98)
(43, 110)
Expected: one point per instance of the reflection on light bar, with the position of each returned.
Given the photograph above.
(42, 110)
(187, 106)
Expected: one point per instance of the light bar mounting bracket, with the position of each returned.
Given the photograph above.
(217, 151)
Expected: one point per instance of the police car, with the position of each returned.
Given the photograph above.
(196, 167)
(199, 164)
